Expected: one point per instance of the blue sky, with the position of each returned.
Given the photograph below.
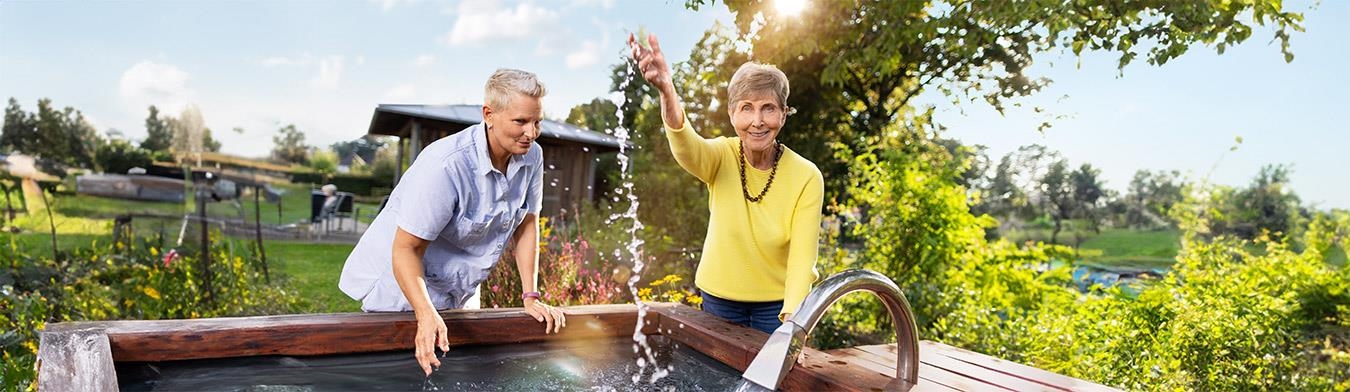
(324, 65)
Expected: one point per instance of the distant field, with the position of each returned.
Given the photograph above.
(1114, 247)
(1146, 249)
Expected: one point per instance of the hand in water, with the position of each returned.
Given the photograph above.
(431, 334)
(651, 62)
(553, 318)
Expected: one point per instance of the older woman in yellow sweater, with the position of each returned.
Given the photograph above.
(765, 201)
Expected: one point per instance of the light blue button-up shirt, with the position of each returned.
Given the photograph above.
(467, 209)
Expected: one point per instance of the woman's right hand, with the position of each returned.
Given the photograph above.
(431, 333)
(652, 63)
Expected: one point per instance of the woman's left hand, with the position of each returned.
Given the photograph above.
(553, 318)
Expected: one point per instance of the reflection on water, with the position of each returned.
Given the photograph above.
(586, 365)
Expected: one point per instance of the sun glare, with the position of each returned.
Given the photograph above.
(789, 7)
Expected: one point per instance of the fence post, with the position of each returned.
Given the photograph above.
(206, 240)
(257, 229)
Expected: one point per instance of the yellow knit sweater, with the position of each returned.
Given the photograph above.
(754, 252)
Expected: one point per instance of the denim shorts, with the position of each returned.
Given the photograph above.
(758, 315)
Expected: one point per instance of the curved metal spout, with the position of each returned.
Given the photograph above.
(776, 358)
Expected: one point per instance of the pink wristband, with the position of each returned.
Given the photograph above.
(530, 294)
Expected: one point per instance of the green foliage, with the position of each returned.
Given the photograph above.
(159, 137)
(323, 163)
(1233, 314)
(118, 156)
(597, 115)
(62, 136)
(855, 66)
(124, 280)
(290, 146)
(1151, 196)
(209, 143)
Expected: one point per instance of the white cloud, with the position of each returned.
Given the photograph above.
(283, 61)
(149, 83)
(604, 4)
(479, 22)
(330, 73)
(424, 60)
(587, 55)
(386, 5)
(360, 60)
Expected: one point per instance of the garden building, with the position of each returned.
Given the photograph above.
(571, 153)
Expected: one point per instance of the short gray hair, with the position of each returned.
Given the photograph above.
(506, 82)
(753, 77)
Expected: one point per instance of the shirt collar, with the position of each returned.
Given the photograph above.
(513, 163)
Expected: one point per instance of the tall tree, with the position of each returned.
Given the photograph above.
(20, 129)
(63, 136)
(209, 143)
(597, 115)
(290, 146)
(1150, 197)
(1088, 194)
(1267, 205)
(159, 136)
(882, 53)
(1057, 192)
(855, 65)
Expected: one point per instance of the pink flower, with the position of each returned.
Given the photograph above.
(169, 256)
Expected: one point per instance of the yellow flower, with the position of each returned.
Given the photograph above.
(151, 292)
(154, 251)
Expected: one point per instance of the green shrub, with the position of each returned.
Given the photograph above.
(119, 281)
(1232, 314)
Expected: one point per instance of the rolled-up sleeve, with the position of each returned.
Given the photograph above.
(426, 209)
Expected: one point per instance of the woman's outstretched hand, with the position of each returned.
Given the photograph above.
(431, 334)
(651, 62)
(553, 318)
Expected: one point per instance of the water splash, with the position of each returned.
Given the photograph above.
(640, 347)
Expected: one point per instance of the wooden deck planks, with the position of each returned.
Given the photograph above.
(983, 371)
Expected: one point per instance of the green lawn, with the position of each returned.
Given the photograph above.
(294, 207)
(1113, 247)
(313, 270)
(1137, 248)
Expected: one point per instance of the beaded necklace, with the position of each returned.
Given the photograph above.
(778, 148)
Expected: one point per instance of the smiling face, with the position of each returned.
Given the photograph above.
(757, 118)
(513, 128)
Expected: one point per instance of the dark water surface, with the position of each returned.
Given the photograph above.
(584, 365)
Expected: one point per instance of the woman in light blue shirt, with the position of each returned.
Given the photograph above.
(463, 200)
